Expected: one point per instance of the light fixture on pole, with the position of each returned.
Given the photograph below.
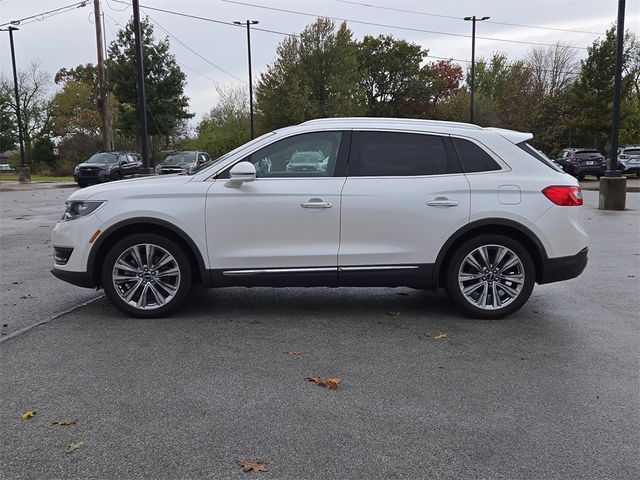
(473, 58)
(23, 171)
(249, 23)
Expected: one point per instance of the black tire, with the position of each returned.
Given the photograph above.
(82, 184)
(155, 289)
(115, 176)
(459, 277)
(580, 177)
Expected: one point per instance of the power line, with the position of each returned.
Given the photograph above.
(192, 50)
(207, 19)
(459, 18)
(38, 17)
(392, 26)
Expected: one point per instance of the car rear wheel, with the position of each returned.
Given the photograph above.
(82, 184)
(490, 276)
(146, 275)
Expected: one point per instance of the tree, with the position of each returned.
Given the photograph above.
(226, 126)
(313, 76)
(35, 111)
(167, 105)
(553, 69)
(389, 71)
(74, 108)
(8, 129)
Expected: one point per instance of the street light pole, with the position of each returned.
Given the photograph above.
(142, 103)
(249, 23)
(23, 171)
(473, 58)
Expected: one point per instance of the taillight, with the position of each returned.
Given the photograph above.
(622, 157)
(565, 196)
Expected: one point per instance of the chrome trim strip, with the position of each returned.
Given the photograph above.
(279, 270)
(386, 267)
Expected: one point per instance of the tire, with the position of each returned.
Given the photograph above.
(82, 184)
(157, 287)
(115, 176)
(463, 275)
(580, 177)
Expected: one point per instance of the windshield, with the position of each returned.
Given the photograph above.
(233, 152)
(306, 157)
(180, 158)
(103, 158)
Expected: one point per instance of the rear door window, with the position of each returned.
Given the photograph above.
(395, 154)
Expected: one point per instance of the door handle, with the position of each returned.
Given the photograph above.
(442, 202)
(316, 203)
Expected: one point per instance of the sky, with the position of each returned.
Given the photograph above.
(215, 54)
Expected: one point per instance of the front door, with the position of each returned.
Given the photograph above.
(284, 227)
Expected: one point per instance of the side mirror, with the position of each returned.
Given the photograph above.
(240, 173)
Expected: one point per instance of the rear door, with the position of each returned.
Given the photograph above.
(404, 197)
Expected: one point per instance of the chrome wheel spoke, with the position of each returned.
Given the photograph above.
(146, 286)
(491, 277)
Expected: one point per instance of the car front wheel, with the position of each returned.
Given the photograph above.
(146, 275)
(490, 276)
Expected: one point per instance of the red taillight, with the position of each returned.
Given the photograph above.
(565, 196)
(623, 157)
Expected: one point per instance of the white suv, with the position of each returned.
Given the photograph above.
(399, 202)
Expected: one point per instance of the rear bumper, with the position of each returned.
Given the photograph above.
(563, 268)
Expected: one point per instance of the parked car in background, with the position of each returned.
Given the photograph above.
(5, 167)
(184, 161)
(401, 202)
(581, 161)
(107, 166)
(307, 162)
(629, 159)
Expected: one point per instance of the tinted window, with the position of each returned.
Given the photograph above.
(632, 151)
(307, 155)
(473, 158)
(390, 154)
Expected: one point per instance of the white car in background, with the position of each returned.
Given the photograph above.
(400, 202)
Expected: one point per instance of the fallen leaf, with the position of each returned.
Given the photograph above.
(393, 314)
(293, 353)
(330, 383)
(75, 446)
(28, 414)
(440, 335)
(253, 466)
(255, 322)
(65, 422)
(18, 283)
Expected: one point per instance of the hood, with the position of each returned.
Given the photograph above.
(97, 165)
(123, 188)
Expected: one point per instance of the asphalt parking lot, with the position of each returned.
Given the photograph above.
(552, 392)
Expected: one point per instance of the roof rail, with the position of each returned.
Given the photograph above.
(411, 121)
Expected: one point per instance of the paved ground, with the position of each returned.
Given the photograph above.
(552, 392)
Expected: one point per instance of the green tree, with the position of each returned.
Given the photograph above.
(226, 126)
(8, 129)
(167, 105)
(315, 75)
(390, 75)
(35, 104)
(74, 108)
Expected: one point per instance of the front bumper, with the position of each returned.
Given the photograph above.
(564, 268)
(79, 279)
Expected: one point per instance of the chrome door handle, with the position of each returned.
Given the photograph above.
(442, 202)
(316, 203)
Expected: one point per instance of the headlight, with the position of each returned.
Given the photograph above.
(75, 170)
(73, 210)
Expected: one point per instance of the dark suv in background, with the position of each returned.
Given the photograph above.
(581, 161)
(184, 161)
(106, 166)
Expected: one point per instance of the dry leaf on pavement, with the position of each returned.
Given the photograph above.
(254, 322)
(28, 414)
(330, 383)
(440, 335)
(253, 466)
(293, 353)
(65, 422)
(75, 446)
(393, 314)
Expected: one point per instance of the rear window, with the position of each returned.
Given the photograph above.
(587, 153)
(473, 158)
(632, 151)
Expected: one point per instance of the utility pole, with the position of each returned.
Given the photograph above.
(104, 101)
(142, 104)
(613, 186)
(249, 23)
(23, 172)
(473, 58)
